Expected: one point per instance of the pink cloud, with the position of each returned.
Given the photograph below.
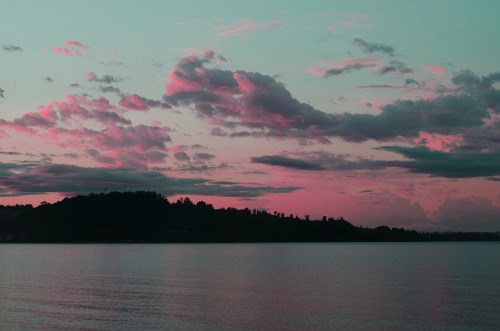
(257, 105)
(245, 26)
(439, 142)
(240, 95)
(133, 147)
(71, 48)
(82, 108)
(117, 143)
(136, 102)
(70, 43)
(113, 51)
(435, 69)
(17, 125)
(91, 76)
(63, 50)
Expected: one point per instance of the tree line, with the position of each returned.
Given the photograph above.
(145, 216)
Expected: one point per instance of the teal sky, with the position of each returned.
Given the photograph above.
(383, 112)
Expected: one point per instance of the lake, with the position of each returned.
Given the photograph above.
(285, 286)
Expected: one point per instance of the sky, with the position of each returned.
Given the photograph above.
(380, 112)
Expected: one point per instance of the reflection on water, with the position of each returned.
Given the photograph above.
(250, 286)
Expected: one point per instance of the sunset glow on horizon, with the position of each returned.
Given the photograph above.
(380, 112)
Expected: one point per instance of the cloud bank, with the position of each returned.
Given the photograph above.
(265, 108)
(25, 179)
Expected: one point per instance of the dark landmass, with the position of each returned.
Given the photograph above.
(149, 217)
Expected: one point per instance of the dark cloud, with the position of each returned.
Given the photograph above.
(218, 132)
(482, 86)
(419, 160)
(282, 161)
(450, 165)
(241, 134)
(478, 139)
(48, 79)
(181, 156)
(345, 69)
(395, 67)
(410, 82)
(32, 120)
(108, 79)
(373, 47)
(10, 153)
(470, 83)
(469, 214)
(110, 89)
(11, 48)
(71, 155)
(203, 156)
(128, 158)
(341, 162)
(18, 180)
(204, 168)
(319, 160)
(1, 93)
(258, 101)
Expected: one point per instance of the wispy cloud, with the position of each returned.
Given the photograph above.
(12, 48)
(327, 69)
(435, 69)
(246, 26)
(369, 47)
(71, 48)
(108, 79)
(287, 162)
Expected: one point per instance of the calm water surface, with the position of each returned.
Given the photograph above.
(326, 286)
